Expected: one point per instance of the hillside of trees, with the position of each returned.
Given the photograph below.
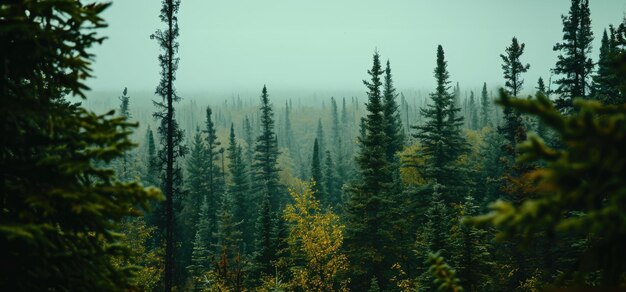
(460, 189)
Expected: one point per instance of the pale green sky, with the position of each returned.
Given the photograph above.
(237, 46)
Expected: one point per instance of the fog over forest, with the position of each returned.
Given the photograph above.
(347, 145)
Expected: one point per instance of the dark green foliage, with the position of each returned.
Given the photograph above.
(473, 113)
(485, 108)
(61, 213)
(331, 184)
(470, 249)
(574, 63)
(440, 135)
(579, 191)
(265, 168)
(316, 175)
(513, 67)
(320, 136)
(228, 236)
(249, 138)
(606, 81)
(374, 285)
(391, 116)
(201, 255)
(169, 131)
(264, 252)
(239, 188)
(214, 178)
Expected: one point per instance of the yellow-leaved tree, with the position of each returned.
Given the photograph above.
(315, 240)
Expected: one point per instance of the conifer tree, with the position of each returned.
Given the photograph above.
(513, 128)
(541, 127)
(215, 184)
(473, 113)
(320, 136)
(574, 63)
(318, 187)
(151, 175)
(228, 236)
(266, 187)
(485, 108)
(123, 167)
(370, 204)
(513, 67)
(249, 138)
(331, 185)
(201, 254)
(605, 81)
(391, 116)
(440, 135)
(172, 136)
(471, 251)
(433, 238)
(61, 209)
(239, 187)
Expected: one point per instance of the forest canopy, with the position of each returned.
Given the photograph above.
(380, 192)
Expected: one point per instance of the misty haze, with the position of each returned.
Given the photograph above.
(181, 145)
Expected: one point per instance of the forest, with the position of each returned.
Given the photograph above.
(454, 189)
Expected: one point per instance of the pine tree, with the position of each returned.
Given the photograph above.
(266, 187)
(370, 202)
(61, 209)
(485, 108)
(440, 135)
(470, 251)
(513, 128)
(239, 188)
(228, 236)
(574, 62)
(172, 136)
(391, 116)
(201, 255)
(215, 184)
(316, 175)
(123, 167)
(513, 67)
(433, 238)
(333, 189)
(320, 136)
(541, 127)
(249, 138)
(151, 175)
(473, 113)
(605, 81)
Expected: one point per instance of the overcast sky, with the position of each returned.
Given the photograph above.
(233, 46)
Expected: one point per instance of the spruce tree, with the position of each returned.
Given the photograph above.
(473, 113)
(239, 187)
(574, 63)
(331, 184)
(249, 138)
(316, 175)
(123, 166)
(485, 108)
(172, 136)
(61, 209)
(228, 236)
(513, 67)
(201, 254)
(471, 250)
(215, 184)
(370, 202)
(320, 136)
(391, 115)
(266, 187)
(605, 81)
(440, 135)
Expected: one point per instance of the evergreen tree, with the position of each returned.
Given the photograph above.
(433, 238)
(473, 113)
(391, 116)
(440, 135)
(123, 167)
(513, 67)
(201, 255)
(228, 236)
(485, 108)
(267, 188)
(331, 185)
(61, 210)
(574, 63)
(541, 127)
(249, 138)
(320, 136)
(214, 177)
(239, 187)
(151, 175)
(605, 81)
(370, 203)
(470, 251)
(172, 136)
(318, 187)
